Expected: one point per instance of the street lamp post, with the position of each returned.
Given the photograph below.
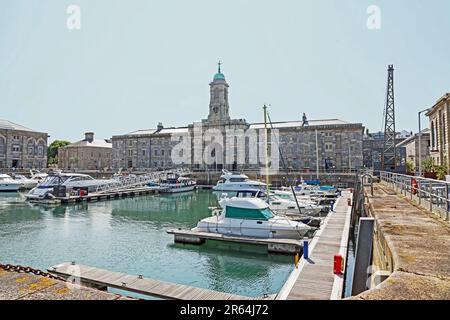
(420, 142)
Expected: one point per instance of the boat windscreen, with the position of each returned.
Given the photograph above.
(249, 214)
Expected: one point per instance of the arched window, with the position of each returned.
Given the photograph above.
(432, 135)
(2, 145)
(40, 148)
(30, 146)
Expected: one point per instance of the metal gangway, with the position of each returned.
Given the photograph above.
(127, 182)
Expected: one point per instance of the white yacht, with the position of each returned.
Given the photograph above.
(25, 183)
(8, 184)
(234, 182)
(174, 183)
(250, 217)
(47, 188)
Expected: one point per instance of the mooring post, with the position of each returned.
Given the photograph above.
(305, 249)
(363, 256)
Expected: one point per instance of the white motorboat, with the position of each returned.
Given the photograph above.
(174, 183)
(8, 184)
(37, 175)
(291, 206)
(250, 217)
(68, 182)
(234, 182)
(25, 183)
(315, 191)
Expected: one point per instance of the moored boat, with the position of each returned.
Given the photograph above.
(234, 182)
(25, 183)
(175, 183)
(60, 184)
(251, 217)
(8, 184)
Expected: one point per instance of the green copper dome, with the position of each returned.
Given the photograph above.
(219, 76)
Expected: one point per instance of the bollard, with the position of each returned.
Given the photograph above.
(305, 249)
(349, 202)
(296, 260)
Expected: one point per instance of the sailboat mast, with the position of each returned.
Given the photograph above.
(266, 151)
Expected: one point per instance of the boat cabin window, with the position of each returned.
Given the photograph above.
(249, 214)
(246, 194)
(53, 181)
(80, 178)
(237, 179)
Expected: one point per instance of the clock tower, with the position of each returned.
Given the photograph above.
(218, 105)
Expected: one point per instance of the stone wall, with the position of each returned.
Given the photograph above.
(84, 158)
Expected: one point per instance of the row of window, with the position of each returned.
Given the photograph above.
(31, 150)
(155, 152)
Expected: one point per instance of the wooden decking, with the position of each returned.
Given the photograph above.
(104, 278)
(314, 278)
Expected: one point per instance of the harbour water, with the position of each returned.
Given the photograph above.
(129, 235)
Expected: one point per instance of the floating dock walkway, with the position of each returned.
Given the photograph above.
(92, 197)
(103, 279)
(288, 246)
(313, 279)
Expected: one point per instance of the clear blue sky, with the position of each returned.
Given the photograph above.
(135, 63)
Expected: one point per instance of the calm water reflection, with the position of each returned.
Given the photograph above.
(128, 235)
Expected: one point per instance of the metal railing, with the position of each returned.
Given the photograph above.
(430, 194)
(135, 181)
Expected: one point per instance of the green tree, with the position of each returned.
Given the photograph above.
(409, 166)
(52, 151)
(428, 164)
(441, 171)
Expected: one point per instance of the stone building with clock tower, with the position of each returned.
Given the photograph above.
(338, 143)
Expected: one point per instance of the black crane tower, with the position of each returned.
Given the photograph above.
(388, 156)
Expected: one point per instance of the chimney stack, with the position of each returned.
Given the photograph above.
(89, 136)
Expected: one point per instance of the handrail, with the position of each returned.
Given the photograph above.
(431, 194)
(134, 181)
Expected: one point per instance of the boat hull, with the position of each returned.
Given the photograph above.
(252, 228)
(9, 188)
(28, 184)
(177, 189)
(237, 187)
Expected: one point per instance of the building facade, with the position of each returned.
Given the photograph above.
(219, 142)
(373, 145)
(411, 146)
(438, 116)
(21, 147)
(87, 154)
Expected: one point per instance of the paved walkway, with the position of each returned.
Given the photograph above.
(24, 286)
(417, 244)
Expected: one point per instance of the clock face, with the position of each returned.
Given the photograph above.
(216, 109)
